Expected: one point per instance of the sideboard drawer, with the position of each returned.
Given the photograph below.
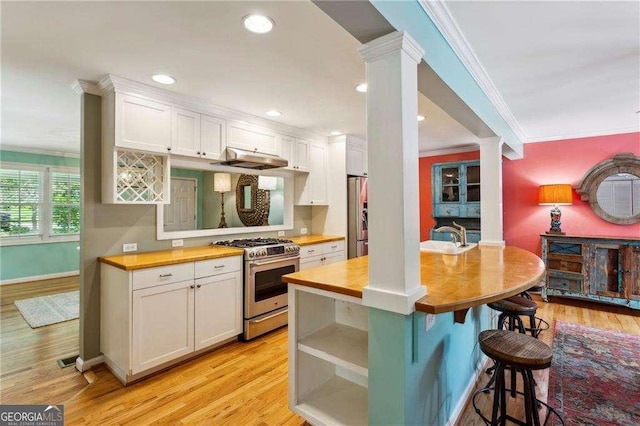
(149, 277)
(563, 283)
(444, 210)
(565, 263)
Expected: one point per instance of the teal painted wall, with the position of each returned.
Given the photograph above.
(417, 377)
(32, 260)
(410, 17)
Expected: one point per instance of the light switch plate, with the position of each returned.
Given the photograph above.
(280, 233)
(303, 231)
(128, 247)
(177, 243)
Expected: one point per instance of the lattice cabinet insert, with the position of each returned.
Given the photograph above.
(140, 178)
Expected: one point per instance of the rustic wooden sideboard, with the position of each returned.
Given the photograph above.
(603, 269)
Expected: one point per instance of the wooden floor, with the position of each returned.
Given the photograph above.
(240, 384)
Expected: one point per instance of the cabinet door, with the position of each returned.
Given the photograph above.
(142, 124)
(631, 272)
(301, 155)
(218, 314)
(253, 138)
(605, 270)
(185, 132)
(288, 146)
(471, 191)
(356, 160)
(318, 174)
(311, 262)
(213, 137)
(333, 257)
(162, 324)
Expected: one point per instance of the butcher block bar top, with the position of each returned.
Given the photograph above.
(130, 262)
(305, 240)
(454, 283)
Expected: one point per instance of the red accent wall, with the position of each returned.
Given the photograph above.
(426, 204)
(564, 161)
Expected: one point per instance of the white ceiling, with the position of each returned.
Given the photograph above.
(562, 68)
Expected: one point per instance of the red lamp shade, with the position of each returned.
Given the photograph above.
(557, 194)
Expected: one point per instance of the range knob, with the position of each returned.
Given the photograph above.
(251, 254)
(263, 252)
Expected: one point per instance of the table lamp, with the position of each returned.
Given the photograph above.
(267, 183)
(555, 195)
(222, 184)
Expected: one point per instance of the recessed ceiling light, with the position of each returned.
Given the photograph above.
(336, 133)
(362, 88)
(421, 118)
(258, 24)
(273, 113)
(163, 79)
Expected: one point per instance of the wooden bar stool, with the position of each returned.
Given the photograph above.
(512, 308)
(521, 353)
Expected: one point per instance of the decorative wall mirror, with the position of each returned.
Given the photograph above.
(612, 188)
(252, 203)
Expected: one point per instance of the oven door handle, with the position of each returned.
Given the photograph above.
(257, 263)
(277, 314)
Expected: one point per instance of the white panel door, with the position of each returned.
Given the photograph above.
(318, 174)
(162, 324)
(185, 132)
(213, 137)
(218, 314)
(142, 124)
(181, 214)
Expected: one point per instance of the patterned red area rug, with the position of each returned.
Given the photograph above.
(595, 376)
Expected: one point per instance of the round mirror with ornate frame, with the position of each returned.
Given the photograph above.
(252, 203)
(612, 188)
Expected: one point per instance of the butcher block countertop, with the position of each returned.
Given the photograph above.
(130, 262)
(454, 283)
(305, 240)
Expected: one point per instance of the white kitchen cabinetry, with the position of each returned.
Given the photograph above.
(213, 137)
(321, 254)
(296, 151)
(198, 135)
(153, 317)
(328, 357)
(141, 124)
(356, 157)
(253, 138)
(311, 189)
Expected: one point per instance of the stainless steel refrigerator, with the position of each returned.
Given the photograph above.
(357, 220)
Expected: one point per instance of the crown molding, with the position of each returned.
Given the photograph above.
(393, 42)
(447, 151)
(113, 83)
(590, 134)
(441, 16)
(86, 86)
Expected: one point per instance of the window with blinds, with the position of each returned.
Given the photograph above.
(37, 201)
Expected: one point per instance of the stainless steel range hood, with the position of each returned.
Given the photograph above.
(253, 160)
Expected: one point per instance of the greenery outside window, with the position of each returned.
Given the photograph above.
(38, 203)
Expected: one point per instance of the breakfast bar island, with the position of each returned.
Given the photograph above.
(346, 359)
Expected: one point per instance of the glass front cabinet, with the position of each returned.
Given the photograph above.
(456, 189)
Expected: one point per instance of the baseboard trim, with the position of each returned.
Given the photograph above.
(83, 366)
(468, 392)
(39, 277)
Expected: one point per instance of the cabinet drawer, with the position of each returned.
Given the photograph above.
(565, 248)
(473, 211)
(563, 283)
(565, 263)
(332, 247)
(445, 210)
(312, 250)
(223, 265)
(151, 277)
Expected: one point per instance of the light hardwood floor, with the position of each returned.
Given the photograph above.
(239, 384)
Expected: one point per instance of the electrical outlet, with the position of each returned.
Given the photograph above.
(177, 243)
(127, 247)
(280, 233)
(303, 231)
(430, 321)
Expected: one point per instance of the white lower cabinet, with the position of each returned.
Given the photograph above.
(328, 357)
(153, 317)
(321, 254)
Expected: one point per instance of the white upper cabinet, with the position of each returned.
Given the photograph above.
(357, 163)
(213, 138)
(142, 124)
(311, 189)
(253, 138)
(185, 132)
(296, 151)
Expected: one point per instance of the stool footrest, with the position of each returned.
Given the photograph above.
(487, 421)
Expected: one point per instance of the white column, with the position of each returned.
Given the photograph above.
(491, 191)
(393, 202)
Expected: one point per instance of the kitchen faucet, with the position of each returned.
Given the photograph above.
(459, 233)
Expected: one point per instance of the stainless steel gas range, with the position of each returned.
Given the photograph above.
(266, 260)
